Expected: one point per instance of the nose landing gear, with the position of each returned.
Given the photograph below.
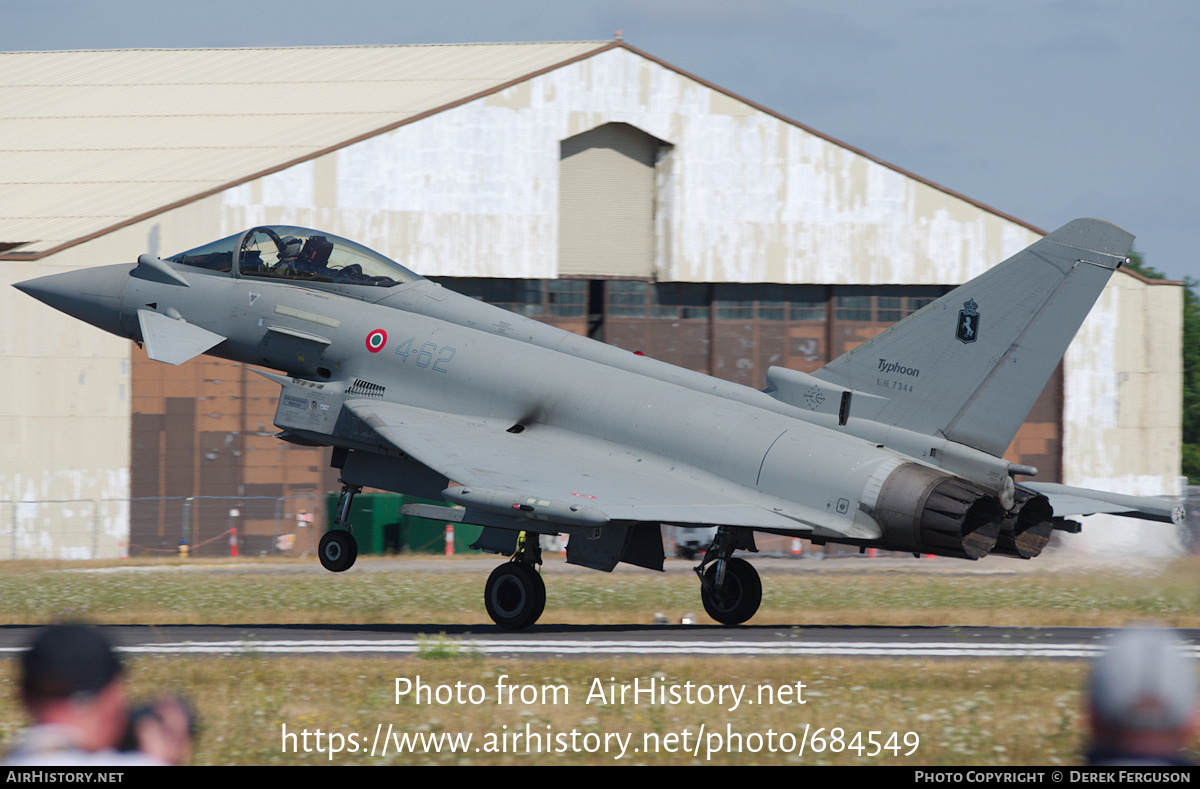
(338, 549)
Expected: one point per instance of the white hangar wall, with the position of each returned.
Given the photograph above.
(66, 475)
(743, 195)
(65, 471)
(1123, 404)
(1123, 411)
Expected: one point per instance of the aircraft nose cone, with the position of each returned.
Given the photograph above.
(92, 295)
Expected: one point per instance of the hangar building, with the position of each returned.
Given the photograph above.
(589, 185)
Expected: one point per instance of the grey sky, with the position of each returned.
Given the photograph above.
(1044, 110)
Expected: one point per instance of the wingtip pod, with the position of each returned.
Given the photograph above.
(1096, 235)
(1068, 500)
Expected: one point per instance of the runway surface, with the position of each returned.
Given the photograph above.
(549, 640)
(583, 640)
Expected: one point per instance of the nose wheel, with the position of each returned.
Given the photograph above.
(338, 549)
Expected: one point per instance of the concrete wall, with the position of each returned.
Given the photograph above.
(1123, 410)
(67, 419)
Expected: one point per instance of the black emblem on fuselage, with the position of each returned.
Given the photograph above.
(968, 322)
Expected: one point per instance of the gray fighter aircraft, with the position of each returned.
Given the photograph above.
(894, 445)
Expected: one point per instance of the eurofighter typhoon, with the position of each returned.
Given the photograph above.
(894, 445)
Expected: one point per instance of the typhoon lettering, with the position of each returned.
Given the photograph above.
(895, 367)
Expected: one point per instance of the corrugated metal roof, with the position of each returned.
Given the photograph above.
(90, 140)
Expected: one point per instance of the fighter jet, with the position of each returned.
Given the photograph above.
(532, 430)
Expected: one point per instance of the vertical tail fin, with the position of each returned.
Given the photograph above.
(970, 365)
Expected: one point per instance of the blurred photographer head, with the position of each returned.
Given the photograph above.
(71, 678)
(1143, 698)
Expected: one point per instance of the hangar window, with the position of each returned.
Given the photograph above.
(882, 303)
(890, 308)
(853, 308)
(566, 298)
(627, 299)
(533, 298)
(767, 302)
(522, 296)
(808, 305)
(669, 300)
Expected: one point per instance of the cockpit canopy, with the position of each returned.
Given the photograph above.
(297, 254)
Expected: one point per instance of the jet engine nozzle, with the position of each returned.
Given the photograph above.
(923, 510)
(1027, 528)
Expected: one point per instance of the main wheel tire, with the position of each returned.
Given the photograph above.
(515, 595)
(338, 549)
(539, 593)
(738, 599)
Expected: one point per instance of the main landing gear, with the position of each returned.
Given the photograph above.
(338, 549)
(515, 594)
(729, 587)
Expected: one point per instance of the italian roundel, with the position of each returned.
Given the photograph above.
(376, 340)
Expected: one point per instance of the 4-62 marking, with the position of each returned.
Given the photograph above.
(428, 355)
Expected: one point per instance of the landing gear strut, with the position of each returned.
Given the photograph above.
(515, 594)
(730, 588)
(338, 549)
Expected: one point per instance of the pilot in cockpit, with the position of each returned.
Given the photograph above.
(312, 258)
(290, 247)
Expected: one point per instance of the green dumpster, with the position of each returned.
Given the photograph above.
(380, 528)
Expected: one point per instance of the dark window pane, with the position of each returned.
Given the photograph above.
(627, 298)
(889, 309)
(734, 302)
(566, 298)
(808, 310)
(853, 308)
(679, 300)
